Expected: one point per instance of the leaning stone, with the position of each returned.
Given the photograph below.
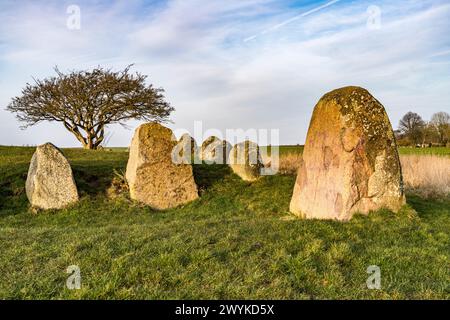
(245, 160)
(50, 183)
(350, 160)
(153, 177)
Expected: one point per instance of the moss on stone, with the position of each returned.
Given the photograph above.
(360, 109)
(351, 129)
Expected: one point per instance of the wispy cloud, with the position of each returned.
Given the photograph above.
(291, 20)
(197, 51)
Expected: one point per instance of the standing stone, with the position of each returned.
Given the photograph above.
(153, 178)
(50, 183)
(215, 151)
(186, 150)
(245, 160)
(350, 161)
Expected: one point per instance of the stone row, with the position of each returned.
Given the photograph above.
(350, 163)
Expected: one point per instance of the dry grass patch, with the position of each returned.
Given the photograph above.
(288, 163)
(424, 175)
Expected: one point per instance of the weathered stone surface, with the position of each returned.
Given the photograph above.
(215, 151)
(245, 160)
(186, 150)
(152, 176)
(50, 183)
(350, 161)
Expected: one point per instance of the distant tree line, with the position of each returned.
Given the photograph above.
(414, 131)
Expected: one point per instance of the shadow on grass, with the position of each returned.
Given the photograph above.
(206, 175)
(93, 181)
(13, 198)
(429, 208)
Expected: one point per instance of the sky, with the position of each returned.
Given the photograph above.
(235, 64)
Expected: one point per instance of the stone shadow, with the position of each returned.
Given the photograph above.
(206, 175)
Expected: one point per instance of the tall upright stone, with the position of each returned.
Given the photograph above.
(350, 160)
(153, 177)
(50, 183)
(245, 160)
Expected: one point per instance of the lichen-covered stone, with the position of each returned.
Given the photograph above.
(245, 160)
(50, 183)
(350, 160)
(215, 151)
(153, 178)
(186, 150)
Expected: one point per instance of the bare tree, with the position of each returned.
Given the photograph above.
(429, 134)
(85, 102)
(441, 122)
(411, 125)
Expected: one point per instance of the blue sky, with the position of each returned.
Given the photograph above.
(259, 64)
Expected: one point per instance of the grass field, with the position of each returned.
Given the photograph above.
(237, 241)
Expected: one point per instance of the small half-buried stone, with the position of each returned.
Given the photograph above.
(245, 160)
(350, 160)
(50, 183)
(152, 175)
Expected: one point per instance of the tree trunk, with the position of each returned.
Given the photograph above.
(93, 138)
(90, 142)
(100, 136)
(89, 146)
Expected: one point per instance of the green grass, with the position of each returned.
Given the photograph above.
(237, 241)
(439, 151)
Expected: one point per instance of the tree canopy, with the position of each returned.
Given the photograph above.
(441, 122)
(414, 130)
(411, 125)
(85, 102)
